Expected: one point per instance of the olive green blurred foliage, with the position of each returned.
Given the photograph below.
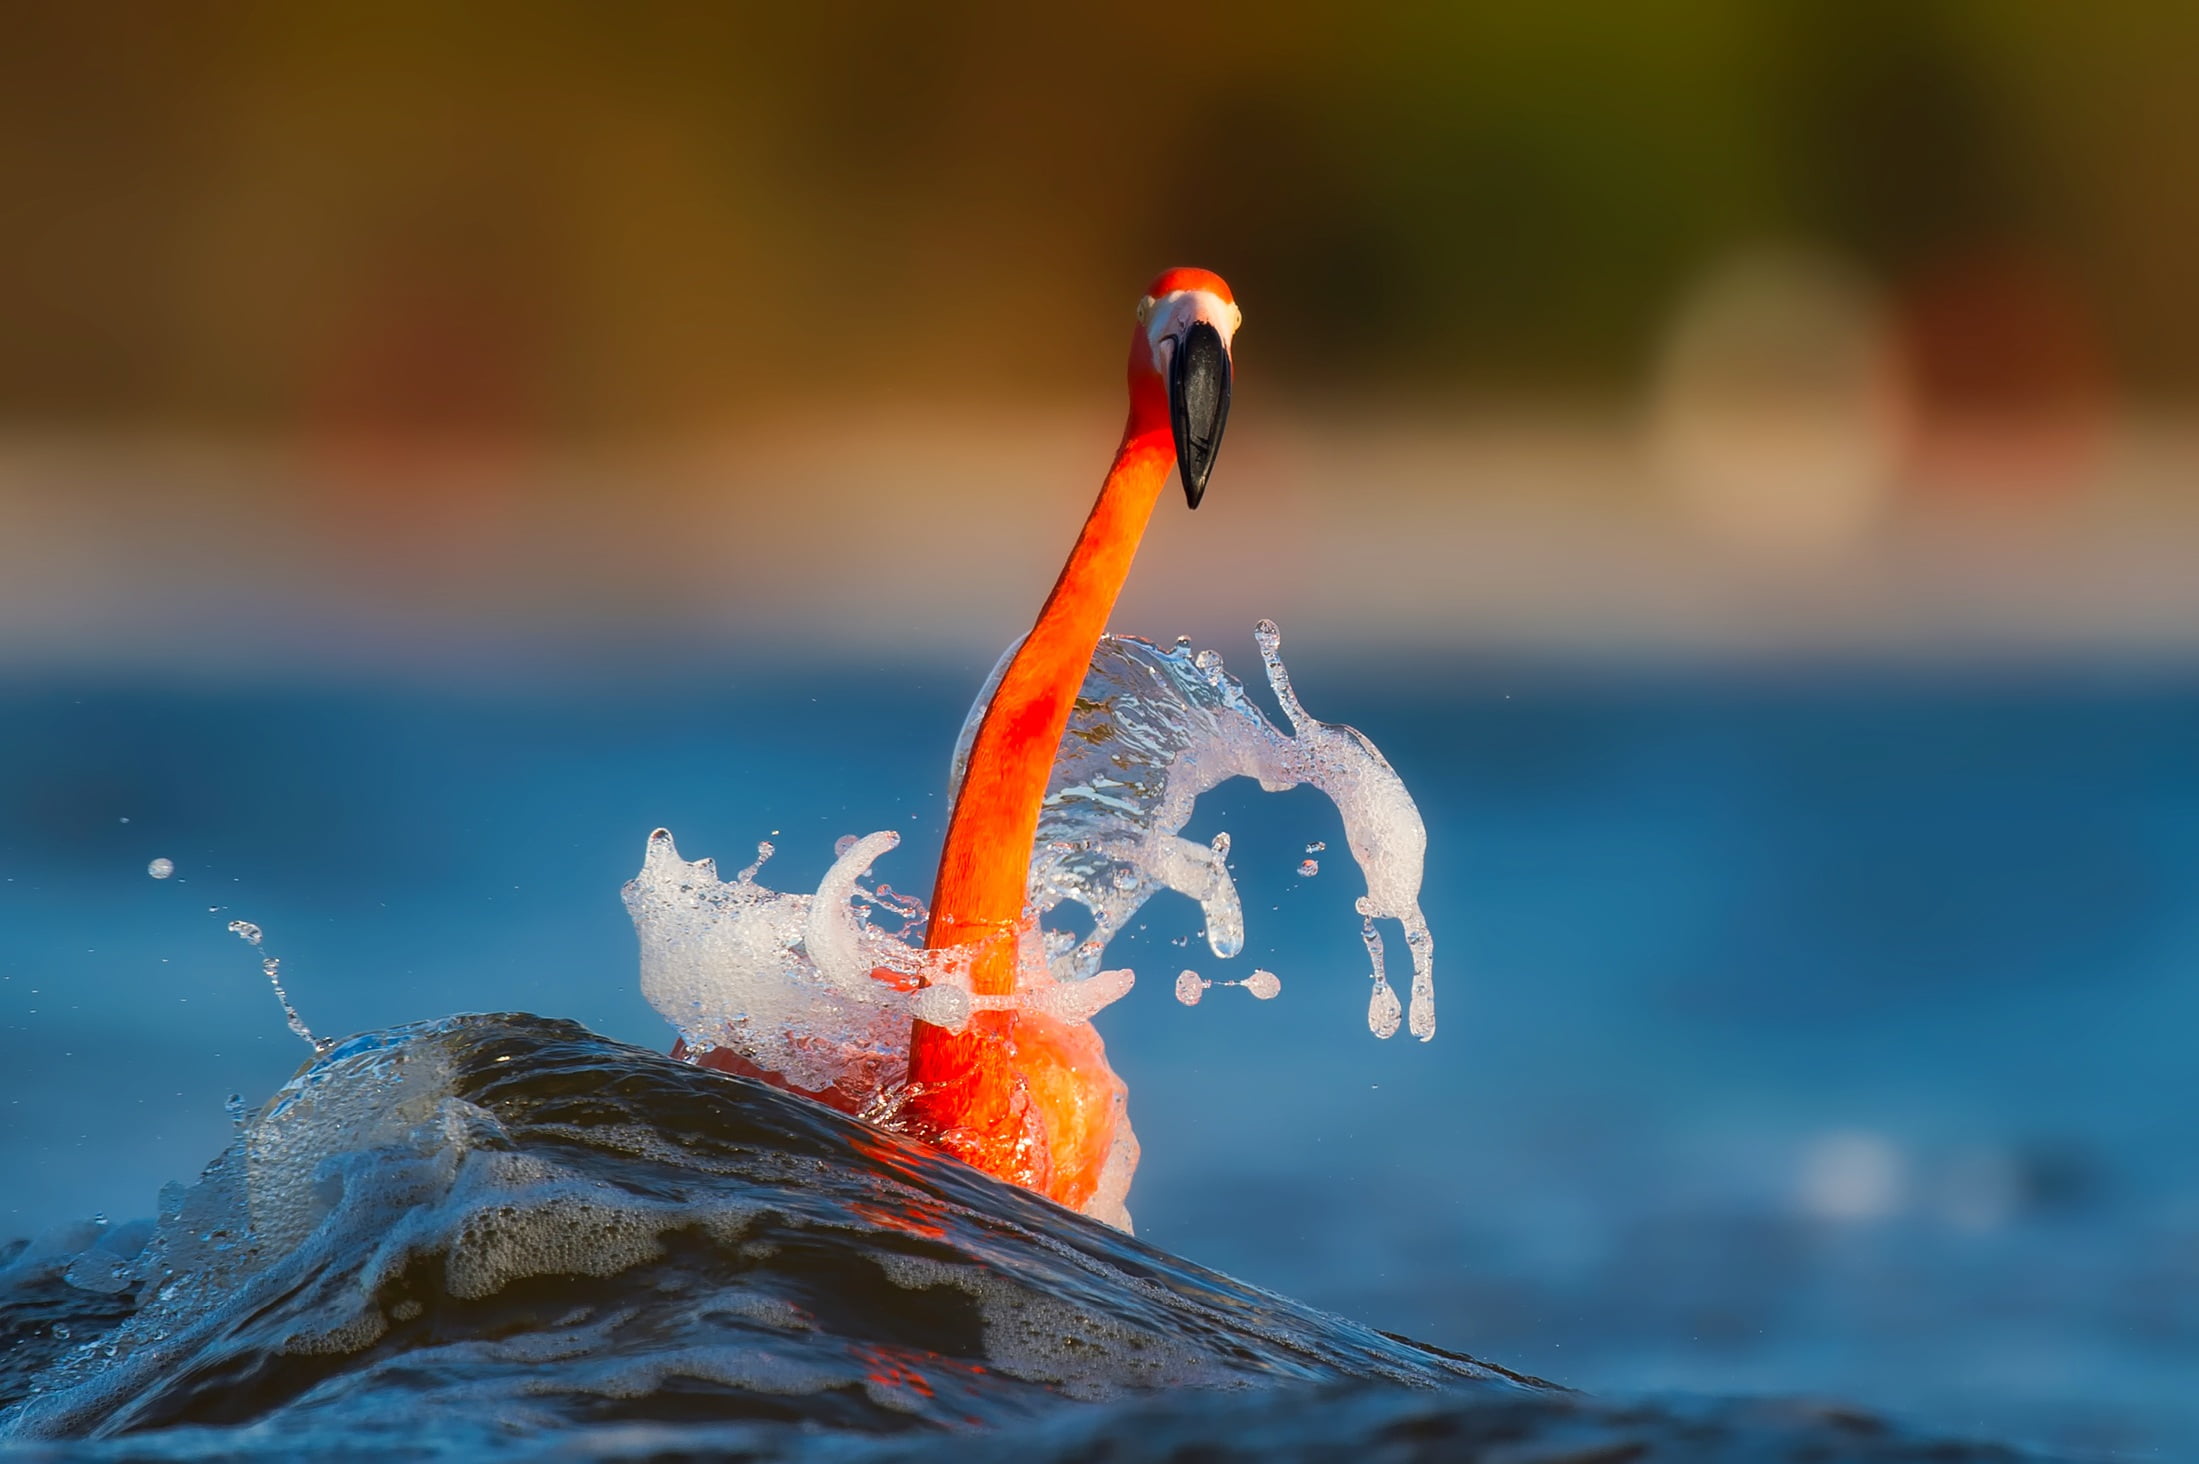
(598, 219)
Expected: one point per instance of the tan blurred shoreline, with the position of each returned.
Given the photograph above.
(928, 537)
(562, 333)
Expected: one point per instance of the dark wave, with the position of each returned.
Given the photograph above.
(506, 1235)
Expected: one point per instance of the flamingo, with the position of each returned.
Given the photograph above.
(1022, 1093)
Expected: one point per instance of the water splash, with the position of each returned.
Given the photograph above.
(804, 985)
(807, 987)
(731, 964)
(1150, 732)
(271, 967)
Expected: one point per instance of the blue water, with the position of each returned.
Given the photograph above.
(1692, 928)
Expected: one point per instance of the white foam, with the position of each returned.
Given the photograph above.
(803, 985)
(782, 979)
(1088, 1352)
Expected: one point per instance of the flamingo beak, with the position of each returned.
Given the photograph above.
(1198, 405)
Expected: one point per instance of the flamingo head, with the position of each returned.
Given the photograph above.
(1185, 324)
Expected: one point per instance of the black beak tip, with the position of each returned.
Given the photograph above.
(1198, 405)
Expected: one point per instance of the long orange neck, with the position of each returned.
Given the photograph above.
(986, 863)
(1020, 1094)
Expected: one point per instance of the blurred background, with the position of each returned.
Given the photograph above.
(1741, 461)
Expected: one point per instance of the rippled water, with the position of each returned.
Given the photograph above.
(508, 1236)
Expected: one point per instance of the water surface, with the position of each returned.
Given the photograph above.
(1801, 1033)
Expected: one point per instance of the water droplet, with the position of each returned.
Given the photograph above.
(1317, 846)
(764, 850)
(245, 931)
(1383, 1010)
(1264, 985)
(1309, 868)
(1189, 988)
(161, 868)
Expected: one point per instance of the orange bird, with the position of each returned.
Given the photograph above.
(1021, 1094)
